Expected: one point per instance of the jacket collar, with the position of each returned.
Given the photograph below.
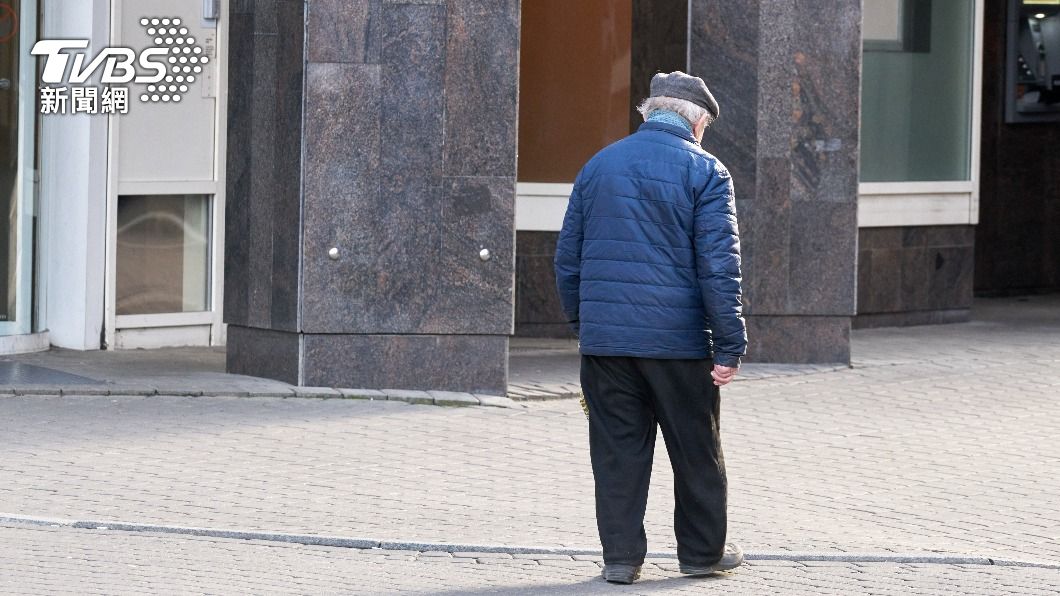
(670, 128)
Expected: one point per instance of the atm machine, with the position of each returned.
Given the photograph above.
(1033, 61)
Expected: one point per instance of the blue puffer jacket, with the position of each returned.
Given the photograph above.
(648, 260)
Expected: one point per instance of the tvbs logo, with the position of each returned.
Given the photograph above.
(165, 69)
(119, 64)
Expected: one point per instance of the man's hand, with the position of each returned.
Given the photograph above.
(723, 374)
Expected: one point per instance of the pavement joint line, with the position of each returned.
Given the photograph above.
(465, 399)
(419, 546)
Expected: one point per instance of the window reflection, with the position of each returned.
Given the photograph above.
(162, 254)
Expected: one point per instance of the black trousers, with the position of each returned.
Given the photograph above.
(628, 398)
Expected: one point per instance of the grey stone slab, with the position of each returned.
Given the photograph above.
(390, 259)
(766, 239)
(266, 16)
(87, 390)
(413, 58)
(477, 364)
(937, 278)
(879, 281)
(536, 299)
(481, 88)
(264, 173)
(137, 390)
(410, 396)
(496, 401)
(263, 178)
(798, 339)
(249, 391)
(342, 185)
(341, 30)
(238, 170)
(776, 80)
(362, 394)
(537, 306)
(880, 238)
(725, 40)
(322, 392)
(37, 390)
(952, 236)
(826, 51)
(262, 353)
(453, 398)
(823, 259)
(533, 243)
(475, 296)
(289, 84)
(176, 390)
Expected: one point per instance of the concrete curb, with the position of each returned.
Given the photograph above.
(369, 543)
(436, 398)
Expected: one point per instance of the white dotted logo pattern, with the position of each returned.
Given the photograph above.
(185, 59)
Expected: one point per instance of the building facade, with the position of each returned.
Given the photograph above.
(367, 193)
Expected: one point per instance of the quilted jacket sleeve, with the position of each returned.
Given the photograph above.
(568, 262)
(717, 244)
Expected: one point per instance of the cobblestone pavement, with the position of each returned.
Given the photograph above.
(54, 561)
(940, 439)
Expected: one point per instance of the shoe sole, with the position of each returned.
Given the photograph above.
(621, 577)
(700, 571)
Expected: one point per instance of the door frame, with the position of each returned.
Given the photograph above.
(170, 329)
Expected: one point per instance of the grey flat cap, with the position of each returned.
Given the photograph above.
(687, 87)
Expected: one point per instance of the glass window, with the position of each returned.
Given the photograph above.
(574, 84)
(163, 256)
(916, 90)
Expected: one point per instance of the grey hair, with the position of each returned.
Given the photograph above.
(686, 109)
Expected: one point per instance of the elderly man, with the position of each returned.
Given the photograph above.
(648, 270)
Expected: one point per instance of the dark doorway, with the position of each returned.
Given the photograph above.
(1017, 241)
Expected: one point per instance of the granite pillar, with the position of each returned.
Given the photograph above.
(787, 76)
(371, 157)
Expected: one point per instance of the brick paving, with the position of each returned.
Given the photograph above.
(940, 439)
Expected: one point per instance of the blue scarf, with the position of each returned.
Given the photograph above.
(668, 117)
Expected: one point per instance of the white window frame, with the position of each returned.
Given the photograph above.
(540, 206)
(171, 329)
(888, 204)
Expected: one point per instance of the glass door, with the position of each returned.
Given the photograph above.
(166, 207)
(17, 113)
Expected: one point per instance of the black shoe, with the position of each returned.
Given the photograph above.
(621, 574)
(732, 559)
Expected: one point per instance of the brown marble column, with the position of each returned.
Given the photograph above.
(787, 76)
(371, 160)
